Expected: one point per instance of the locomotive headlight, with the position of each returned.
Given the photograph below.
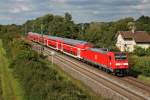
(125, 63)
(118, 64)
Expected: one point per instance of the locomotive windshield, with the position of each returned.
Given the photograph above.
(120, 56)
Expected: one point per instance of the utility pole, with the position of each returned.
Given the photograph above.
(52, 54)
(82, 28)
(42, 47)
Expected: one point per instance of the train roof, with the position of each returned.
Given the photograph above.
(55, 38)
(72, 41)
(69, 41)
(101, 50)
(33, 33)
(66, 40)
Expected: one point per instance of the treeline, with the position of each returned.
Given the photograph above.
(53, 25)
(101, 34)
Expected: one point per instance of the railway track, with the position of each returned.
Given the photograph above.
(137, 83)
(99, 79)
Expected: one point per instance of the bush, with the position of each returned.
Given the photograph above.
(139, 51)
(148, 51)
(114, 48)
(132, 68)
(140, 65)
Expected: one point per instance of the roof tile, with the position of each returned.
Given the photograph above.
(138, 36)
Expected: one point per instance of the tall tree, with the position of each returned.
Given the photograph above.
(68, 17)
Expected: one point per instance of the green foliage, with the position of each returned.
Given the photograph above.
(114, 48)
(148, 51)
(17, 47)
(122, 25)
(10, 86)
(139, 51)
(104, 34)
(95, 34)
(7, 34)
(140, 65)
(143, 23)
(144, 79)
(1, 91)
(99, 33)
(1, 88)
(68, 17)
(41, 81)
(54, 25)
(131, 26)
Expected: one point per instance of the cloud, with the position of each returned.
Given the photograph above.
(19, 8)
(60, 1)
(18, 11)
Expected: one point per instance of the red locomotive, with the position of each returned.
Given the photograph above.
(113, 62)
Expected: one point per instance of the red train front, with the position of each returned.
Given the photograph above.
(119, 62)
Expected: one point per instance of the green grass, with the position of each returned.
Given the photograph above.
(1, 91)
(10, 86)
(144, 79)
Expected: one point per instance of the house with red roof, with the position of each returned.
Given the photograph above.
(127, 40)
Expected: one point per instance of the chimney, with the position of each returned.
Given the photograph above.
(132, 30)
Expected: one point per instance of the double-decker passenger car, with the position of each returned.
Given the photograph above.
(114, 62)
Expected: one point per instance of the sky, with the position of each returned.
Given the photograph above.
(19, 11)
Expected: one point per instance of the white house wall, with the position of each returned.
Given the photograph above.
(143, 45)
(121, 44)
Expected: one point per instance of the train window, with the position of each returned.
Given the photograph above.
(120, 56)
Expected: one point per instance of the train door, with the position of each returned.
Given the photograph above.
(47, 42)
(38, 39)
(110, 62)
(78, 52)
(61, 47)
(57, 45)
